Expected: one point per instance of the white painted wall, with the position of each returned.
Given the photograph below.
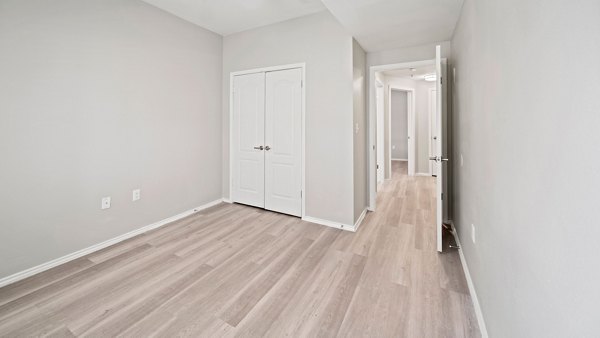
(399, 125)
(526, 121)
(326, 48)
(97, 98)
(360, 134)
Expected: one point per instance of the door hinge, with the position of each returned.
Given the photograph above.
(442, 196)
(300, 193)
(441, 80)
(378, 166)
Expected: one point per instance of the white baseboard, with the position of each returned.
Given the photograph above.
(72, 256)
(331, 224)
(474, 298)
(360, 219)
(400, 159)
(423, 174)
(227, 200)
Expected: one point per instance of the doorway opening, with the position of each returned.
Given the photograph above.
(407, 122)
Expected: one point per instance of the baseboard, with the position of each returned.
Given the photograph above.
(72, 256)
(227, 200)
(329, 223)
(474, 298)
(423, 174)
(360, 219)
(400, 159)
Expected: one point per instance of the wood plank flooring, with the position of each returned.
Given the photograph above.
(237, 271)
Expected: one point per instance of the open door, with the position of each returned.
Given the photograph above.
(441, 149)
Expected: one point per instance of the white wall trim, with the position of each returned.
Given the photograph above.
(331, 224)
(423, 174)
(472, 291)
(302, 66)
(72, 256)
(360, 219)
(227, 200)
(400, 159)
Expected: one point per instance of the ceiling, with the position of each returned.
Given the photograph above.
(416, 73)
(376, 24)
(388, 24)
(226, 17)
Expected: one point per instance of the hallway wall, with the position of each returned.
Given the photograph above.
(399, 125)
(526, 124)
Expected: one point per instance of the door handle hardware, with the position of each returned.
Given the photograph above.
(438, 159)
(259, 148)
(267, 148)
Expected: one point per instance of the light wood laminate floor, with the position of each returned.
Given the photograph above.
(234, 270)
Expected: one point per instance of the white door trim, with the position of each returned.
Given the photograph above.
(372, 123)
(410, 116)
(303, 133)
(431, 114)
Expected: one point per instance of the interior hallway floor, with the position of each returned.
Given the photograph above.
(233, 270)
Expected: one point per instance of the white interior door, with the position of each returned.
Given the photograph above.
(434, 132)
(248, 133)
(283, 141)
(440, 108)
(380, 132)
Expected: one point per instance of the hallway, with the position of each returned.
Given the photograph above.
(234, 270)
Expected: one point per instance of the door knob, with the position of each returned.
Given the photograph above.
(438, 159)
(259, 148)
(267, 148)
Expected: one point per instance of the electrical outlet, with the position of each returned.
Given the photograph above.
(105, 203)
(136, 195)
(473, 233)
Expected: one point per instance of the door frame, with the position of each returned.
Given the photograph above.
(380, 86)
(302, 66)
(431, 114)
(410, 125)
(372, 123)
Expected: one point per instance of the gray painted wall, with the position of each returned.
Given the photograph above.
(359, 64)
(526, 122)
(97, 98)
(326, 48)
(399, 125)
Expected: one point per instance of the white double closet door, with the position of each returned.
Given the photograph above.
(267, 140)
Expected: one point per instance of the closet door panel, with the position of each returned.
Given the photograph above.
(248, 160)
(283, 139)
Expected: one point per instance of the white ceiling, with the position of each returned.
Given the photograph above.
(388, 24)
(232, 16)
(376, 24)
(414, 73)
